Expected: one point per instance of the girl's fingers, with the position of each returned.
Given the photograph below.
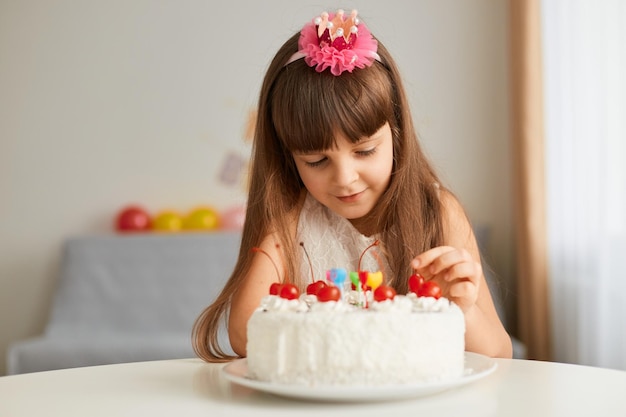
(425, 259)
(456, 270)
(435, 260)
(463, 289)
(464, 293)
(470, 270)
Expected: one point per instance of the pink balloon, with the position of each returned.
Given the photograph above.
(233, 218)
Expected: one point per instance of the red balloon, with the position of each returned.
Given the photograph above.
(133, 219)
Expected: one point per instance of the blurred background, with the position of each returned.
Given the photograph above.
(149, 102)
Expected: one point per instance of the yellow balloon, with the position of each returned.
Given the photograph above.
(374, 279)
(167, 221)
(203, 218)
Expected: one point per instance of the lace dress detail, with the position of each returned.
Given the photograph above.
(333, 242)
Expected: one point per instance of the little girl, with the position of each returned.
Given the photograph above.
(336, 168)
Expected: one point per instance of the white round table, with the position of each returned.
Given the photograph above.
(190, 387)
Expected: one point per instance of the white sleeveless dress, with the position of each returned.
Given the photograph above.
(333, 242)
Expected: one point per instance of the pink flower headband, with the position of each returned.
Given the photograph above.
(330, 41)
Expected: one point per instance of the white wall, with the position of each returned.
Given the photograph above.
(104, 103)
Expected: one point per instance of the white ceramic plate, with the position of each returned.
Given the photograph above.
(476, 367)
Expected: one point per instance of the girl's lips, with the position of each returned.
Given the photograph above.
(350, 198)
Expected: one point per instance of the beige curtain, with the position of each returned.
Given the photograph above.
(533, 325)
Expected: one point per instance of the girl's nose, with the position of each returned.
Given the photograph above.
(345, 174)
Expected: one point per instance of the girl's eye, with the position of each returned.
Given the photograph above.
(315, 163)
(367, 152)
(360, 153)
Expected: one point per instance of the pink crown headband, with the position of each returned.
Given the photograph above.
(336, 42)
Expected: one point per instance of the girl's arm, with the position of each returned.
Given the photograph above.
(265, 269)
(254, 286)
(457, 269)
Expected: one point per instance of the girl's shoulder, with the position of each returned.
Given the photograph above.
(285, 227)
(456, 223)
(449, 202)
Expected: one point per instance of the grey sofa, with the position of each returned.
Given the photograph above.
(126, 298)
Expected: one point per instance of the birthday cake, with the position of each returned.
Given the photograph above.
(332, 336)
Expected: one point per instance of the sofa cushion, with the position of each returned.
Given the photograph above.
(146, 283)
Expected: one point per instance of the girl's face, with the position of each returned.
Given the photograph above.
(350, 178)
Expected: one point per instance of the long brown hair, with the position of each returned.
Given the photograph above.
(300, 109)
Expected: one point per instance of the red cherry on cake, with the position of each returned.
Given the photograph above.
(415, 282)
(429, 289)
(329, 293)
(423, 288)
(315, 287)
(275, 288)
(383, 293)
(289, 292)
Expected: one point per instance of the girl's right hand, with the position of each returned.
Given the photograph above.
(455, 270)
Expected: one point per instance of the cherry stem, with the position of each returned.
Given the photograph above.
(376, 242)
(259, 250)
(308, 259)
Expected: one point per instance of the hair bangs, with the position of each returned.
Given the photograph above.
(309, 114)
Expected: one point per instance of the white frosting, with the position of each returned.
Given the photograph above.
(408, 339)
(274, 303)
(332, 307)
(355, 300)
